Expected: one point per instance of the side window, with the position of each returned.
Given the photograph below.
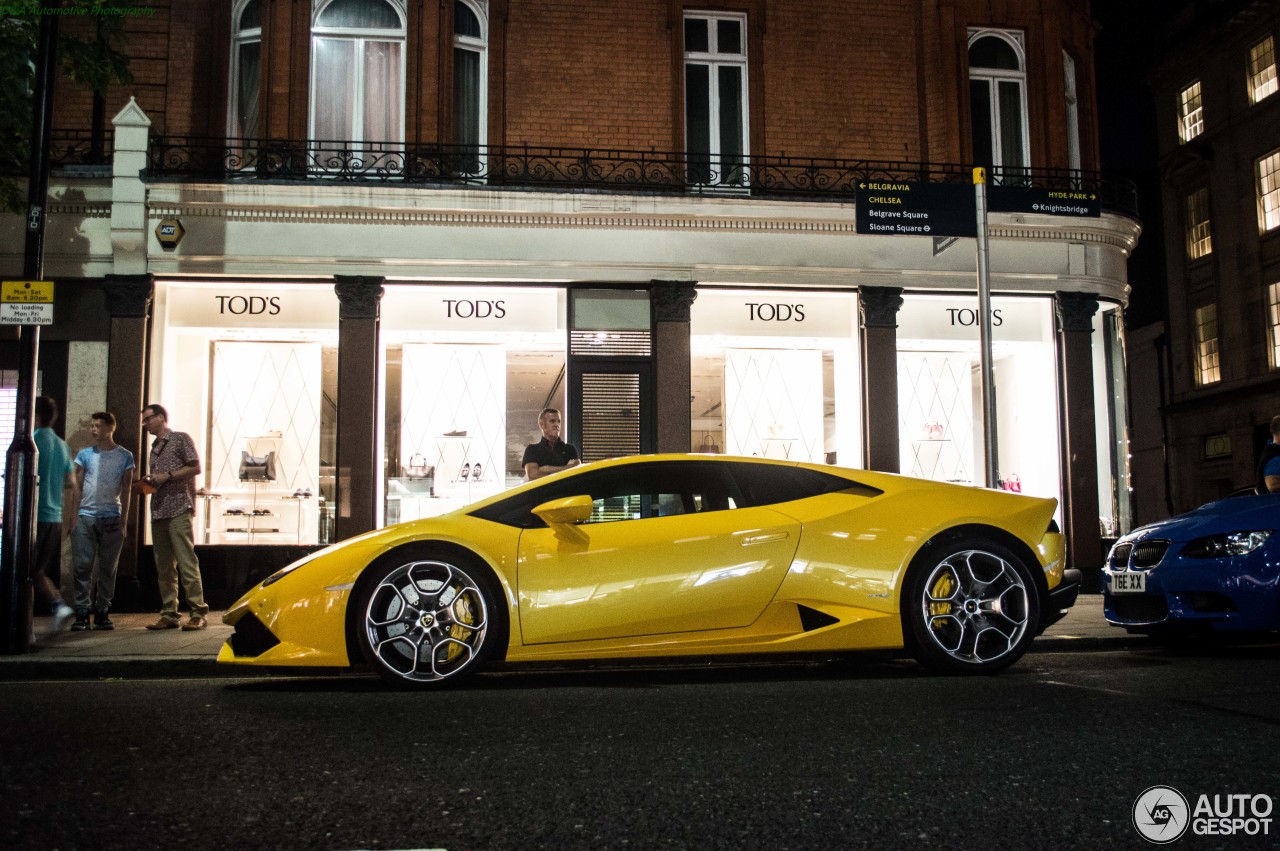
(663, 490)
(770, 484)
(633, 492)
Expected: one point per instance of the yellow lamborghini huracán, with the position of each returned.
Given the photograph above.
(673, 556)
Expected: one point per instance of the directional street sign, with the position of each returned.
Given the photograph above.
(26, 303)
(915, 209)
(1053, 202)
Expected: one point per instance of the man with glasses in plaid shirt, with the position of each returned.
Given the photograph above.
(172, 469)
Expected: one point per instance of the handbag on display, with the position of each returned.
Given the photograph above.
(257, 468)
(418, 468)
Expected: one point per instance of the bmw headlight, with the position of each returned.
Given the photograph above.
(1229, 544)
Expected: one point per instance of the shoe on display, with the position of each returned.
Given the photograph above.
(62, 616)
(164, 623)
(102, 621)
(195, 622)
(82, 621)
(475, 473)
(466, 471)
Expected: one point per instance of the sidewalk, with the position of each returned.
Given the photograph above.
(132, 650)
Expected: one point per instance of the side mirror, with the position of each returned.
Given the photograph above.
(570, 509)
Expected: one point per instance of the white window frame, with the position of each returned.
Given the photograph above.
(1072, 96)
(360, 36)
(1208, 367)
(1262, 70)
(1190, 112)
(1199, 233)
(713, 59)
(1266, 172)
(480, 46)
(1273, 322)
(239, 39)
(993, 77)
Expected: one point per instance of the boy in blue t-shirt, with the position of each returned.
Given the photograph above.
(104, 476)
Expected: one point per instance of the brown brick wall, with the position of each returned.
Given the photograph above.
(590, 73)
(878, 79)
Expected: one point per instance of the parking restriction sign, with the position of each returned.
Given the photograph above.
(26, 303)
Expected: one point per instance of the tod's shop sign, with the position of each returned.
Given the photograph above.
(273, 306)
(772, 314)
(470, 309)
(1024, 320)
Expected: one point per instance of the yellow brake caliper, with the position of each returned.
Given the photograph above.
(942, 587)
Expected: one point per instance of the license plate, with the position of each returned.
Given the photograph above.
(1128, 583)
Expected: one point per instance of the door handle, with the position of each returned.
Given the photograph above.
(767, 538)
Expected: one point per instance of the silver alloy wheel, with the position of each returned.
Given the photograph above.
(426, 621)
(975, 606)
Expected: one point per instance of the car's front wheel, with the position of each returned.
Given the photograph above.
(970, 606)
(424, 620)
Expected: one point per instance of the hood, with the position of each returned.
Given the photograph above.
(1226, 515)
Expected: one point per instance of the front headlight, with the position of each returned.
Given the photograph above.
(285, 571)
(1229, 544)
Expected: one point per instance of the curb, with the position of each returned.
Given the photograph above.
(32, 667)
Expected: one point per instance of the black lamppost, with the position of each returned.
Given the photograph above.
(20, 463)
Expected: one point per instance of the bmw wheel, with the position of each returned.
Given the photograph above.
(970, 606)
(424, 621)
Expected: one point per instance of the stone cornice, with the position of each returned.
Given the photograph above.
(1116, 231)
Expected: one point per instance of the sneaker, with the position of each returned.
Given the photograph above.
(102, 621)
(164, 623)
(195, 622)
(82, 621)
(62, 615)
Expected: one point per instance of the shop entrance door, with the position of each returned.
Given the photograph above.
(611, 411)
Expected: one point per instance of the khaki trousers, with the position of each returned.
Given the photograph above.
(175, 553)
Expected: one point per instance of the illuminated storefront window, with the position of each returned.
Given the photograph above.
(250, 372)
(467, 371)
(940, 392)
(1115, 513)
(775, 375)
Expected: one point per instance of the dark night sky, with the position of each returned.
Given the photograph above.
(1124, 54)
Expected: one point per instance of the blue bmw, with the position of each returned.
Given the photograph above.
(1214, 568)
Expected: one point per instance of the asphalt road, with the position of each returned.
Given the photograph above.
(865, 754)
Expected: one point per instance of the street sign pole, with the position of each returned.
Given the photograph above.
(984, 334)
(17, 544)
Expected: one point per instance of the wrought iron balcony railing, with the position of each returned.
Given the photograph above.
(580, 169)
(68, 148)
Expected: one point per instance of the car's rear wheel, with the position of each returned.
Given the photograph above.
(970, 606)
(425, 620)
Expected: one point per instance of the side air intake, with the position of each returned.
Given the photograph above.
(811, 619)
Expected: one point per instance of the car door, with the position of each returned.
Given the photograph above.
(667, 550)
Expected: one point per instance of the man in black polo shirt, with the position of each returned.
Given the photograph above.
(551, 454)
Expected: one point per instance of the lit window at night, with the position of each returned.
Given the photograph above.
(1199, 240)
(1262, 70)
(1208, 369)
(1268, 171)
(1190, 113)
(1273, 323)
